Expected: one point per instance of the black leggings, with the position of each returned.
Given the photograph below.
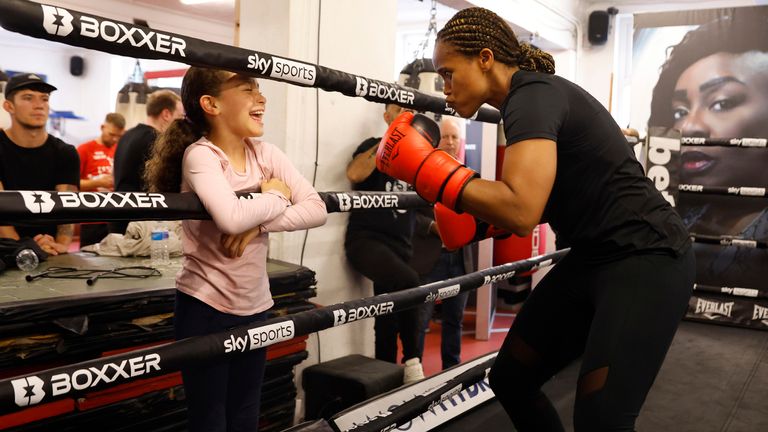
(386, 264)
(223, 395)
(620, 316)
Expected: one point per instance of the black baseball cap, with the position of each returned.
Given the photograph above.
(27, 80)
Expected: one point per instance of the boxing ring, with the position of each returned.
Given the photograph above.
(408, 408)
(62, 382)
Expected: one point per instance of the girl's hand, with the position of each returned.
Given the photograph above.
(277, 185)
(234, 244)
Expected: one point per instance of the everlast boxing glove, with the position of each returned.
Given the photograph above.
(457, 230)
(407, 152)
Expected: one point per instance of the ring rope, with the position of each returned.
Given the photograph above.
(734, 291)
(726, 240)
(724, 142)
(45, 386)
(25, 207)
(746, 191)
(402, 414)
(76, 28)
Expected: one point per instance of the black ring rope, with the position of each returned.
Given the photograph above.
(725, 142)
(76, 28)
(44, 386)
(726, 240)
(745, 191)
(734, 291)
(25, 207)
(404, 413)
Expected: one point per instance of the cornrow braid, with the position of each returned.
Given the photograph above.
(534, 59)
(472, 29)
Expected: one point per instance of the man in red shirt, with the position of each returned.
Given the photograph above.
(96, 162)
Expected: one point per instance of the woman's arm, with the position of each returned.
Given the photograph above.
(308, 209)
(516, 202)
(202, 170)
(362, 166)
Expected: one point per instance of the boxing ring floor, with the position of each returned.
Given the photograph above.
(715, 378)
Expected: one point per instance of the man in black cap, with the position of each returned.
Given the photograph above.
(33, 160)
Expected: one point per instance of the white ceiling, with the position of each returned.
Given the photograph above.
(219, 10)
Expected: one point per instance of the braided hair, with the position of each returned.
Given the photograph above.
(472, 29)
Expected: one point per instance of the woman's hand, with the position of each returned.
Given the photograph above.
(234, 244)
(276, 185)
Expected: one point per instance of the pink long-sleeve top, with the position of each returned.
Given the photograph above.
(239, 286)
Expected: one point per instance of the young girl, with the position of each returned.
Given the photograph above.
(223, 282)
(617, 298)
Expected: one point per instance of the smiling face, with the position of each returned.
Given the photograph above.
(242, 106)
(465, 85)
(723, 96)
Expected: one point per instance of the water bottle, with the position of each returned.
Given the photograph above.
(26, 260)
(166, 247)
(156, 247)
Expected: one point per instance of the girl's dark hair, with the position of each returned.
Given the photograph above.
(738, 33)
(472, 29)
(162, 172)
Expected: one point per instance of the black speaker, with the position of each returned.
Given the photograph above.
(76, 65)
(597, 30)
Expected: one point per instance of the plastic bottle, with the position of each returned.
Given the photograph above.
(27, 260)
(156, 247)
(166, 246)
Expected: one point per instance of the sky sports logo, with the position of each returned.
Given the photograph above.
(283, 69)
(43, 202)
(58, 22)
(260, 337)
(443, 293)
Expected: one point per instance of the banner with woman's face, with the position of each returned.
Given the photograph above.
(705, 74)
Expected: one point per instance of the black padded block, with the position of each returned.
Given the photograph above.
(338, 384)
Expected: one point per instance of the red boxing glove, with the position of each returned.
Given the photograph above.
(457, 230)
(407, 152)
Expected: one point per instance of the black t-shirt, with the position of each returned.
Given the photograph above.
(395, 225)
(601, 204)
(40, 168)
(132, 152)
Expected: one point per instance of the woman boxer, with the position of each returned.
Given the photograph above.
(618, 297)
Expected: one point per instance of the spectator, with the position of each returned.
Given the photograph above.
(32, 159)
(378, 246)
(96, 163)
(134, 148)
(223, 282)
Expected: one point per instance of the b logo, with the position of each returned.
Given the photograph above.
(339, 317)
(57, 21)
(38, 201)
(345, 202)
(361, 89)
(28, 391)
